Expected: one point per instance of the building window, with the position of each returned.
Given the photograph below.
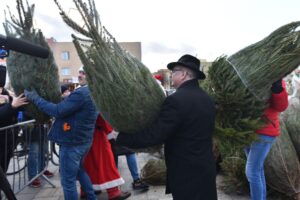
(65, 55)
(65, 71)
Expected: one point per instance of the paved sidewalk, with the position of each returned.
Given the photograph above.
(46, 192)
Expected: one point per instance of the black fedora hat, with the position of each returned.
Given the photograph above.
(190, 62)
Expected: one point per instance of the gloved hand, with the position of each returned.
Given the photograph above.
(31, 95)
(277, 87)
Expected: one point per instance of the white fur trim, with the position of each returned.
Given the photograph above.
(110, 184)
(110, 136)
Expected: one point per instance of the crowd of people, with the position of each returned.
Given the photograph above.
(89, 146)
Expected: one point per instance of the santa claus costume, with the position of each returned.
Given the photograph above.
(100, 165)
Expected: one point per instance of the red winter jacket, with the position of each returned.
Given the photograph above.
(278, 103)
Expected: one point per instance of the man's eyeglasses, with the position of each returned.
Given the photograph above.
(176, 70)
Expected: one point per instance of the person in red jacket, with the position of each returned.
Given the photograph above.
(257, 152)
(100, 165)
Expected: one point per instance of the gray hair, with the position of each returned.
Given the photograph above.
(191, 73)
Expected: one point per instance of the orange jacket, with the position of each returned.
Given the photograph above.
(278, 103)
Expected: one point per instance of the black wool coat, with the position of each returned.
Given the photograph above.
(185, 125)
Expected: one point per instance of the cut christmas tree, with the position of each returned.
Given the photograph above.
(154, 172)
(262, 63)
(28, 72)
(238, 116)
(123, 88)
(240, 85)
(291, 117)
(282, 166)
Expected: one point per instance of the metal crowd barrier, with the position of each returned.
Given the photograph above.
(23, 147)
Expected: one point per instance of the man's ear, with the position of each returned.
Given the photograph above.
(184, 74)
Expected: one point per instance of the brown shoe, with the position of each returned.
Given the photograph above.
(123, 195)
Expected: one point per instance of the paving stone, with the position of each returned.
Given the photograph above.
(46, 192)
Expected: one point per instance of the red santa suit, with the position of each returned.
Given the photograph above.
(99, 162)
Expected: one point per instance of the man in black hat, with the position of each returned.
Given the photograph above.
(185, 125)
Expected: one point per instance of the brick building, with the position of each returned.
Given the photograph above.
(68, 61)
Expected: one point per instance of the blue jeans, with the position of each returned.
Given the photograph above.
(38, 150)
(36, 159)
(132, 165)
(256, 155)
(71, 169)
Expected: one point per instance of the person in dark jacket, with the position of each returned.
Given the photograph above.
(185, 125)
(72, 130)
(9, 106)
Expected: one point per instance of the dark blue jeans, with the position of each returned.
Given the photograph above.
(256, 155)
(71, 169)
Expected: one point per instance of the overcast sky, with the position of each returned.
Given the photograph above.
(168, 29)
